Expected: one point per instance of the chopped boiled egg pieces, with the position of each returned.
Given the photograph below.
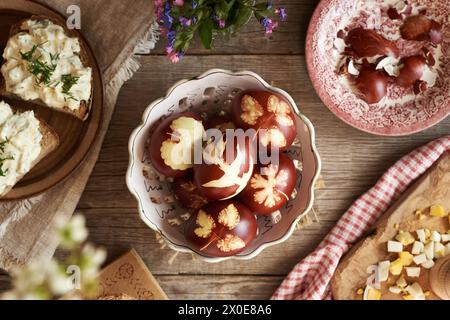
(428, 264)
(395, 290)
(413, 272)
(439, 250)
(401, 282)
(417, 248)
(415, 290)
(405, 238)
(396, 267)
(447, 249)
(406, 258)
(383, 270)
(394, 246)
(429, 250)
(421, 235)
(429, 246)
(371, 294)
(435, 236)
(419, 259)
(445, 237)
(437, 211)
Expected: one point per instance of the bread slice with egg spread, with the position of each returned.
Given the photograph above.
(47, 64)
(24, 141)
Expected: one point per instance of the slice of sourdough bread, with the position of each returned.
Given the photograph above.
(49, 142)
(83, 109)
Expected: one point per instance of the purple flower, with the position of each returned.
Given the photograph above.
(171, 36)
(167, 19)
(269, 25)
(282, 13)
(185, 22)
(269, 5)
(175, 56)
(194, 4)
(219, 21)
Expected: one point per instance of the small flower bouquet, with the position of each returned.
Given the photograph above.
(74, 277)
(181, 20)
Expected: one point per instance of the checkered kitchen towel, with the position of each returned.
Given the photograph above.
(310, 278)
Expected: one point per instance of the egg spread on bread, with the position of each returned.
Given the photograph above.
(43, 63)
(20, 144)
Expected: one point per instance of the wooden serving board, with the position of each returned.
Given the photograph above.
(76, 137)
(432, 188)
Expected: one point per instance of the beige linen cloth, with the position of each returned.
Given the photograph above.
(113, 28)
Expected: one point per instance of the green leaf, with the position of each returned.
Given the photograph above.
(223, 7)
(205, 32)
(243, 14)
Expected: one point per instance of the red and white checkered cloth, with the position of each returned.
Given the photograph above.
(310, 278)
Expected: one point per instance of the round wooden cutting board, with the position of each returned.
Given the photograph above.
(76, 137)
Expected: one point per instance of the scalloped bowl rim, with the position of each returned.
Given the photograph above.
(265, 245)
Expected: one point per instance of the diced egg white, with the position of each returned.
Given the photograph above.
(421, 235)
(395, 290)
(419, 259)
(417, 248)
(439, 250)
(413, 272)
(435, 236)
(394, 246)
(445, 237)
(428, 264)
(429, 250)
(447, 249)
(383, 270)
(415, 290)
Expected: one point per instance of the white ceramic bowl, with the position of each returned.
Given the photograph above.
(204, 93)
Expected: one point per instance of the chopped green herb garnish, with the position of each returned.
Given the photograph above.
(2, 145)
(41, 70)
(54, 57)
(4, 158)
(68, 82)
(29, 54)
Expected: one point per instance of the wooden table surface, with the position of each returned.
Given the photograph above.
(352, 163)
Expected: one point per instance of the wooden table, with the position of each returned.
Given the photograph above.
(352, 163)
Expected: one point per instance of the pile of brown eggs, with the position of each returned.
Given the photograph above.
(228, 183)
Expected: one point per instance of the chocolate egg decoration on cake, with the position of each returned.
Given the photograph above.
(222, 229)
(226, 167)
(171, 147)
(187, 193)
(270, 186)
(269, 114)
